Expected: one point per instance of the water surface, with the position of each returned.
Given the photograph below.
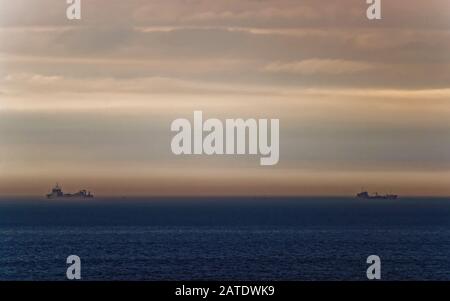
(225, 238)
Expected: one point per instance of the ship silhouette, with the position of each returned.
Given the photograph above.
(58, 193)
(376, 196)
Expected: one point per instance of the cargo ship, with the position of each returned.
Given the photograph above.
(57, 193)
(376, 196)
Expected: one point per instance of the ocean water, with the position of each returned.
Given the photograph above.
(225, 238)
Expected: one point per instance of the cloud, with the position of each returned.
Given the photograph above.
(320, 66)
(35, 83)
(252, 13)
(26, 83)
(352, 95)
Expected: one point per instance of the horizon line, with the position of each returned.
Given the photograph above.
(223, 196)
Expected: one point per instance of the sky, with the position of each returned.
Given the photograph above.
(89, 103)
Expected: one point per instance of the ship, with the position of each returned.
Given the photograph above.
(376, 196)
(57, 193)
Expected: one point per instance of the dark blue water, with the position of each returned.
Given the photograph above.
(225, 239)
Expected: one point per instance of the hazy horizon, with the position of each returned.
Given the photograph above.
(89, 103)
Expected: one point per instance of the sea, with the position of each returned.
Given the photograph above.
(213, 238)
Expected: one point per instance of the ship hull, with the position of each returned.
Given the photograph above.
(379, 198)
(366, 196)
(69, 197)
